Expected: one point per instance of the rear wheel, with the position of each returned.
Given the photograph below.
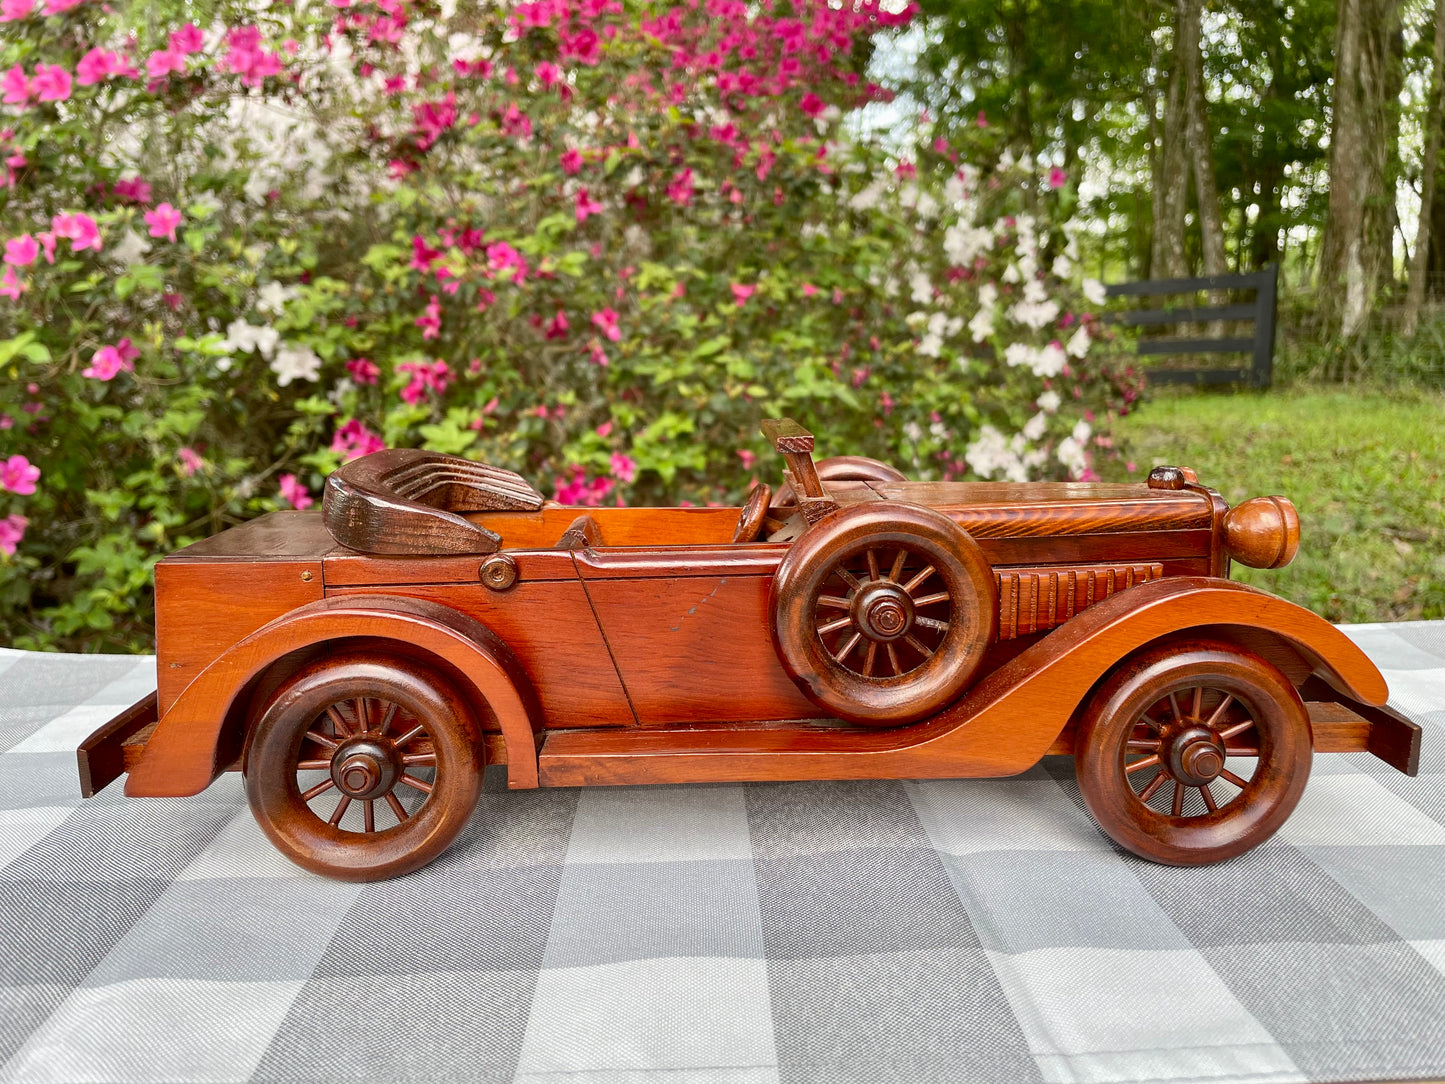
(362, 768)
(1193, 753)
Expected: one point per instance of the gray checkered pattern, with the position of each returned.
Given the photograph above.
(959, 931)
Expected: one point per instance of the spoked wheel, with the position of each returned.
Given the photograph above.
(1193, 753)
(882, 612)
(363, 769)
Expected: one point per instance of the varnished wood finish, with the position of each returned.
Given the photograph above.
(394, 740)
(184, 756)
(881, 613)
(1219, 741)
(405, 500)
(1033, 600)
(1001, 726)
(754, 513)
(840, 468)
(101, 757)
(1262, 532)
(580, 534)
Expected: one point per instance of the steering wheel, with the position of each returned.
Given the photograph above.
(755, 510)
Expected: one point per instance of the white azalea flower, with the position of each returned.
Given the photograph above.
(1017, 354)
(131, 249)
(273, 296)
(295, 363)
(1034, 427)
(1082, 430)
(248, 338)
(1035, 314)
(1011, 274)
(1034, 291)
(868, 198)
(1050, 361)
(1049, 401)
(1062, 267)
(1094, 292)
(954, 190)
(963, 243)
(1079, 343)
(1071, 455)
(981, 326)
(921, 287)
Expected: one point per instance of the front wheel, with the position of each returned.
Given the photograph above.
(1193, 753)
(362, 768)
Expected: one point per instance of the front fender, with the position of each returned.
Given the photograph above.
(182, 755)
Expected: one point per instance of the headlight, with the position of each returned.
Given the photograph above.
(1262, 532)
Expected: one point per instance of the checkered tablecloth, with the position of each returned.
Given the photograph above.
(959, 931)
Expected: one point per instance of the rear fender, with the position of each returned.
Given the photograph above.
(187, 750)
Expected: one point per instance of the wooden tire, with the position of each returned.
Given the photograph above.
(1192, 753)
(363, 768)
(755, 511)
(841, 468)
(882, 612)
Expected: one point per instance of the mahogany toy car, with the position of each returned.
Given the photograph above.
(360, 665)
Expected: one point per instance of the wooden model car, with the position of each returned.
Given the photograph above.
(362, 664)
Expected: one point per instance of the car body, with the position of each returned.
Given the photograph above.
(438, 615)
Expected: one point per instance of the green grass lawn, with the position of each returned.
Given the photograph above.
(1366, 469)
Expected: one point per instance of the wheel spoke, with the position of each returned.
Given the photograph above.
(1209, 802)
(363, 716)
(313, 766)
(833, 602)
(912, 642)
(918, 579)
(1141, 746)
(386, 719)
(1140, 765)
(1178, 807)
(893, 659)
(848, 578)
(409, 735)
(1241, 751)
(320, 788)
(931, 600)
(322, 739)
(396, 806)
(340, 811)
(1174, 707)
(1237, 728)
(1229, 775)
(1198, 708)
(422, 759)
(834, 625)
(1155, 785)
(868, 658)
(872, 559)
(1150, 722)
(897, 569)
(1219, 711)
(368, 813)
(342, 727)
(931, 623)
(853, 641)
(415, 783)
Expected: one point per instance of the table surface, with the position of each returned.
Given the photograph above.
(960, 931)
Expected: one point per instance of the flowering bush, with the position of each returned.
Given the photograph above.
(590, 243)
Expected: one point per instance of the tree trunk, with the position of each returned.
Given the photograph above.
(1428, 165)
(1206, 194)
(1351, 255)
(1171, 182)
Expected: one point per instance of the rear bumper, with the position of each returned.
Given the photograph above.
(109, 753)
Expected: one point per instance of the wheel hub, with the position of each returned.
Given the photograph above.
(882, 611)
(1195, 756)
(364, 769)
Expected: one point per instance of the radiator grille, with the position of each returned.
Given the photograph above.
(1033, 600)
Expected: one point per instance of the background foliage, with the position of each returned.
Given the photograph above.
(591, 243)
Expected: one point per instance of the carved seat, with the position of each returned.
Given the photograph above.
(409, 501)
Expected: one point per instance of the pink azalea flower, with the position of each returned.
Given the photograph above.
(426, 376)
(51, 83)
(13, 10)
(190, 461)
(557, 326)
(163, 221)
(109, 361)
(363, 370)
(604, 430)
(584, 46)
(809, 290)
(188, 39)
(16, 85)
(586, 205)
(812, 105)
(748, 458)
(294, 493)
(12, 530)
(47, 245)
(548, 73)
(11, 286)
(134, 190)
(21, 251)
(431, 321)
(1057, 178)
(571, 161)
(680, 190)
(19, 475)
(245, 57)
(79, 229)
(624, 468)
(99, 64)
(164, 61)
(606, 321)
(741, 293)
(354, 439)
